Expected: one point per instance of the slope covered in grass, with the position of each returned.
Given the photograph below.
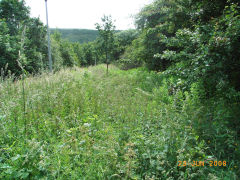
(82, 124)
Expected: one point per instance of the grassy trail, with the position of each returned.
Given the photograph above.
(82, 124)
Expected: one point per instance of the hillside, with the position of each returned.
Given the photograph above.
(78, 35)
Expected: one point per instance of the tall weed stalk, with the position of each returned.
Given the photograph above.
(24, 72)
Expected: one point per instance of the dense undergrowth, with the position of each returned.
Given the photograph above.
(83, 124)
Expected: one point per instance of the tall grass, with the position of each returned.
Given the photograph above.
(83, 124)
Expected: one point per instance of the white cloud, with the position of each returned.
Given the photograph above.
(85, 13)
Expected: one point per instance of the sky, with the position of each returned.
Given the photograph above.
(83, 14)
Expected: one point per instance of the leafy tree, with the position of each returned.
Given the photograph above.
(7, 49)
(77, 47)
(134, 54)
(68, 54)
(161, 18)
(56, 50)
(123, 39)
(197, 39)
(15, 13)
(15, 19)
(209, 53)
(106, 33)
(88, 58)
(36, 46)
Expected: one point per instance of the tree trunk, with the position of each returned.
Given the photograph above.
(107, 68)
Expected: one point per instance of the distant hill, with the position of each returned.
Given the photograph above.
(78, 35)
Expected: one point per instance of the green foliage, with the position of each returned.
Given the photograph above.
(82, 124)
(106, 34)
(135, 124)
(65, 53)
(14, 12)
(68, 54)
(160, 19)
(14, 21)
(198, 54)
(56, 51)
(89, 55)
(35, 46)
(123, 39)
(7, 48)
(133, 55)
(77, 35)
(208, 54)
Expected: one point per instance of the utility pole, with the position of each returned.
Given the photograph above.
(49, 41)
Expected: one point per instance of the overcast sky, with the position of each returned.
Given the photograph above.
(85, 13)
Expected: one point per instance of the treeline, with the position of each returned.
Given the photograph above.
(194, 45)
(23, 43)
(196, 42)
(22, 39)
(77, 35)
(66, 53)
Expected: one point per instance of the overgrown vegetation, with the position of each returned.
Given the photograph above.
(80, 123)
(14, 18)
(181, 103)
